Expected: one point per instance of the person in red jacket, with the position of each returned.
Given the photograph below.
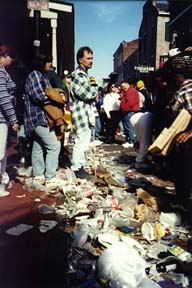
(129, 106)
(140, 121)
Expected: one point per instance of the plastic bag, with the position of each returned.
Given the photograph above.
(122, 265)
(128, 202)
(80, 235)
(170, 219)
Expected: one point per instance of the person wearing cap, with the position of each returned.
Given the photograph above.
(181, 155)
(142, 89)
(82, 97)
(167, 72)
(173, 52)
(141, 124)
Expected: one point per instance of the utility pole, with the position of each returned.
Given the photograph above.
(36, 42)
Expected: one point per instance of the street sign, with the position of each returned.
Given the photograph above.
(144, 69)
(38, 4)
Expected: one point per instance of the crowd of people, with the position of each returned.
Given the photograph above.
(97, 114)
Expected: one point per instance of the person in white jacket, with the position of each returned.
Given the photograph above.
(111, 106)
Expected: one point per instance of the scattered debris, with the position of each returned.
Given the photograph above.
(19, 229)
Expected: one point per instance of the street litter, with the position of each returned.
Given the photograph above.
(46, 225)
(170, 219)
(119, 235)
(19, 229)
(148, 199)
(109, 216)
(122, 266)
(45, 209)
(25, 171)
(21, 196)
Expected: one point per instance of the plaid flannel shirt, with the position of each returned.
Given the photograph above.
(183, 97)
(35, 98)
(82, 97)
(7, 90)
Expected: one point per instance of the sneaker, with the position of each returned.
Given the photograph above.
(127, 145)
(40, 179)
(3, 193)
(5, 179)
(54, 183)
(82, 174)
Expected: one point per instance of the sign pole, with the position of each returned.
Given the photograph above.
(37, 6)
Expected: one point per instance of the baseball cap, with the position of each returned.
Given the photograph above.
(93, 81)
(140, 84)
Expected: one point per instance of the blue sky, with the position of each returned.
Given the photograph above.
(103, 25)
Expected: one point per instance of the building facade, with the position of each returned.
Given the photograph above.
(138, 59)
(18, 27)
(153, 38)
(180, 25)
(124, 60)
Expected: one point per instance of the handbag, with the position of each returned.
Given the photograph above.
(167, 138)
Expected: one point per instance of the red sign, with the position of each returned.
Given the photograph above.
(38, 4)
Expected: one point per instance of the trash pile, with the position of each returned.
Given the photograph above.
(122, 230)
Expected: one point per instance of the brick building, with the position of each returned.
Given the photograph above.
(125, 58)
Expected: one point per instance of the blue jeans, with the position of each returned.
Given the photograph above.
(82, 141)
(45, 152)
(3, 149)
(127, 127)
(121, 128)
